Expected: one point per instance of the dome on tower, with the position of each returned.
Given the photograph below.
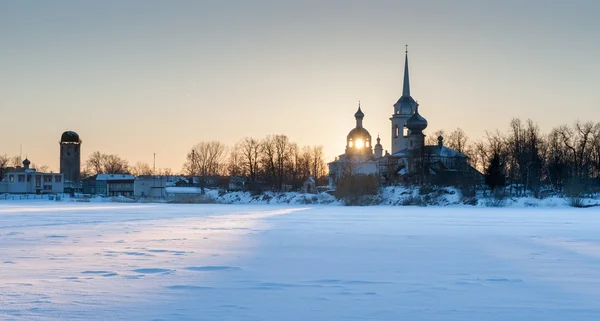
(26, 162)
(70, 137)
(416, 122)
(358, 141)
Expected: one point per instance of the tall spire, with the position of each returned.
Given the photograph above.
(406, 88)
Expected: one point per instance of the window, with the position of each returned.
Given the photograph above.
(11, 178)
(405, 132)
(21, 178)
(47, 178)
(28, 178)
(47, 187)
(396, 131)
(57, 179)
(38, 181)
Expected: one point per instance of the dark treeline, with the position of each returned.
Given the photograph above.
(524, 160)
(273, 162)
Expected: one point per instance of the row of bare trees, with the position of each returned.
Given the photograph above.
(274, 160)
(100, 163)
(567, 159)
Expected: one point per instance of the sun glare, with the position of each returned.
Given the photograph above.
(359, 143)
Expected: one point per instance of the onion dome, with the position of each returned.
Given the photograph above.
(26, 162)
(416, 123)
(359, 113)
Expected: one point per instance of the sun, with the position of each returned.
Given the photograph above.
(359, 143)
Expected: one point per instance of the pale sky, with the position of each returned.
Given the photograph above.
(135, 78)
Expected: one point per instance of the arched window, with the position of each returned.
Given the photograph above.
(396, 131)
(405, 133)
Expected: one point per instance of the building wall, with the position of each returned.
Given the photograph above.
(93, 187)
(150, 186)
(398, 135)
(70, 160)
(29, 182)
(119, 187)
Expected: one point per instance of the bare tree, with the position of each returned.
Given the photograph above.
(305, 162)
(4, 161)
(205, 160)
(165, 172)
(250, 157)
(95, 163)
(319, 168)
(458, 141)
(267, 158)
(141, 169)
(115, 165)
(40, 168)
(16, 161)
(235, 164)
(283, 155)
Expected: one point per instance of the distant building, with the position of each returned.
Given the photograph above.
(25, 180)
(70, 160)
(411, 160)
(153, 186)
(109, 185)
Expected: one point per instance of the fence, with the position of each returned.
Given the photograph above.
(17, 197)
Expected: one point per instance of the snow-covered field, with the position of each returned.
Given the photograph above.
(107, 261)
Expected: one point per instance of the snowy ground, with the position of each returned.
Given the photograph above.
(107, 261)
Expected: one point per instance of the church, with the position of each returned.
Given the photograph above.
(410, 161)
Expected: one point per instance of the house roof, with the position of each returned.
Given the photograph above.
(114, 177)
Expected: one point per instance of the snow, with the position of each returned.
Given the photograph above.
(115, 261)
(183, 190)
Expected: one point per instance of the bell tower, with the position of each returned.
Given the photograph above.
(404, 108)
(70, 156)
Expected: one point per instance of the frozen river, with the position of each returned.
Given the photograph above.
(109, 261)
